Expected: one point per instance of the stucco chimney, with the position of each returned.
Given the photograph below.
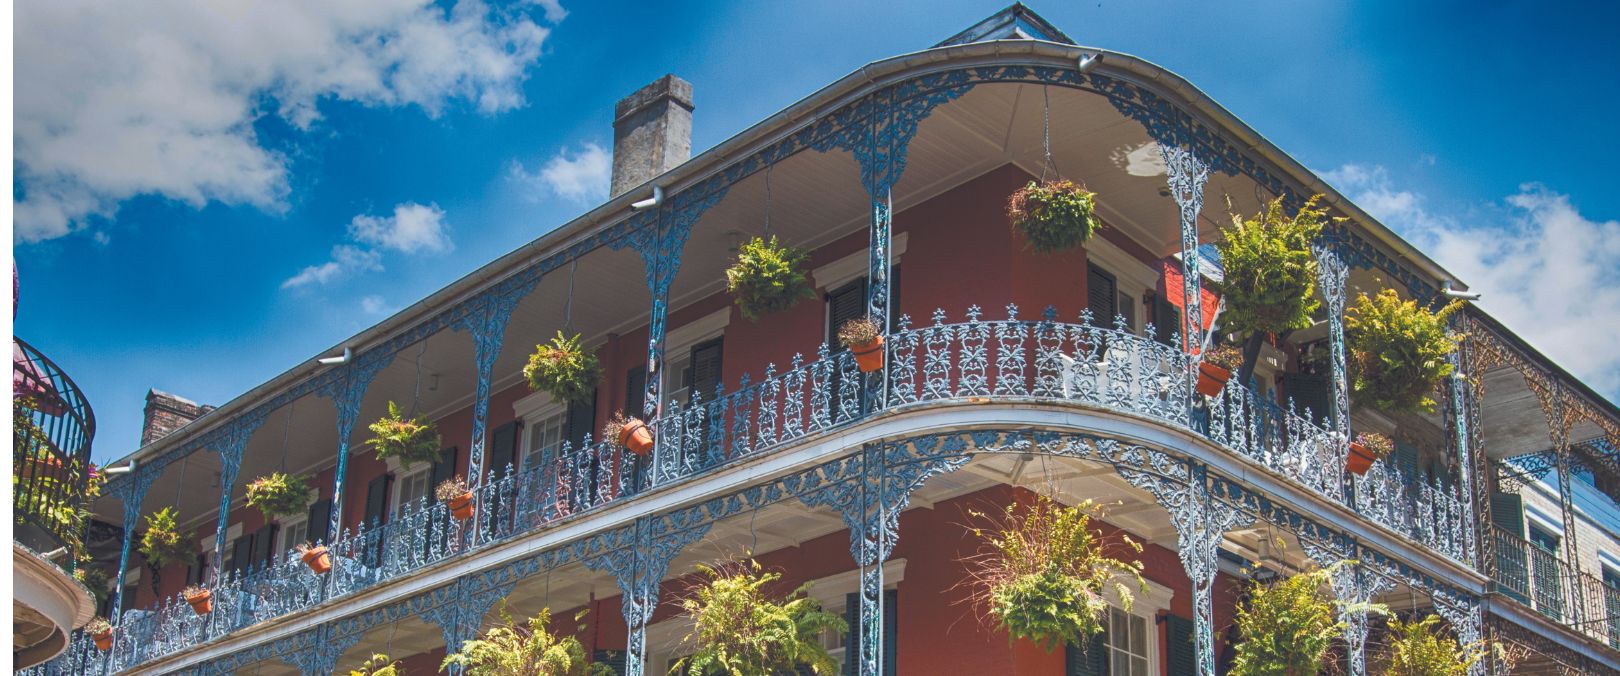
(652, 132)
(166, 413)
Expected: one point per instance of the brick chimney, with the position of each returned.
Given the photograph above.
(166, 413)
(652, 132)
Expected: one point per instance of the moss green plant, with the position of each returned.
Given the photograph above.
(859, 331)
(531, 649)
(564, 369)
(1053, 216)
(767, 277)
(411, 440)
(279, 494)
(1398, 352)
(1416, 649)
(739, 628)
(378, 665)
(163, 542)
(1268, 274)
(1042, 572)
(1287, 627)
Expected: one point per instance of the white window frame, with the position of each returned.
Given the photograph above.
(534, 410)
(678, 349)
(836, 274)
(1132, 278)
(1146, 605)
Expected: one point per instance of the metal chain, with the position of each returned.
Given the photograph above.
(767, 231)
(416, 394)
(568, 306)
(1046, 134)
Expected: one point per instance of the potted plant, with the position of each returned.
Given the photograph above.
(163, 542)
(629, 432)
(1398, 352)
(100, 631)
(378, 665)
(864, 337)
(1415, 649)
(200, 598)
(1054, 215)
(455, 494)
(411, 440)
(1367, 449)
(564, 369)
(1286, 627)
(1042, 571)
(1268, 282)
(739, 628)
(1215, 368)
(530, 650)
(278, 494)
(316, 557)
(767, 277)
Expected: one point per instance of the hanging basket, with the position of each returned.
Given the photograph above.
(1053, 216)
(201, 600)
(1360, 459)
(318, 559)
(1212, 379)
(636, 437)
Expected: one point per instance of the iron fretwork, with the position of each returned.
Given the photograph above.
(462, 612)
(638, 559)
(1354, 586)
(1186, 174)
(346, 392)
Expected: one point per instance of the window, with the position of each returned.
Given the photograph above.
(413, 490)
(294, 533)
(1544, 539)
(1101, 296)
(545, 435)
(1129, 643)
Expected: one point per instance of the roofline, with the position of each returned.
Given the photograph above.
(1558, 372)
(785, 122)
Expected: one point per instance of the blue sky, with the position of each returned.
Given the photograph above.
(205, 199)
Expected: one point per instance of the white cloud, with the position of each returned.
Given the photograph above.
(116, 100)
(579, 177)
(554, 10)
(1545, 270)
(373, 305)
(414, 228)
(346, 260)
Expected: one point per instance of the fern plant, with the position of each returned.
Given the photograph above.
(531, 649)
(411, 440)
(163, 542)
(278, 494)
(1268, 274)
(1043, 572)
(377, 665)
(1416, 649)
(564, 369)
(739, 628)
(1053, 216)
(1398, 352)
(1286, 627)
(767, 277)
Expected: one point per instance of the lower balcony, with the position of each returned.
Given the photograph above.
(946, 370)
(1541, 580)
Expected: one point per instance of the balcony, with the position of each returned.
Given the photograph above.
(52, 426)
(979, 361)
(1542, 581)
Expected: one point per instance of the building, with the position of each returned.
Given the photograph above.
(1004, 376)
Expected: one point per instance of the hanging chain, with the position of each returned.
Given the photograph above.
(416, 394)
(286, 431)
(768, 169)
(1046, 134)
(568, 305)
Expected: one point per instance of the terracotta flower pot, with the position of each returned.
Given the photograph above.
(103, 640)
(636, 437)
(318, 560)
(1212, 379)
(461, 506)
(1360, 459)
(202, 602)
(869, 356)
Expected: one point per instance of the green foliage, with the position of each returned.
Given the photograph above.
(1287, 626)
(1043, 571)
(1053, 216)
(1378, 444)
(412, 440)
(42, 486)
(97, 625)
(94, 579)
(859, 331)
(378, 665)
(1269, 273)
(738, 628)
(1415, 649)
(279, 494)
(1226, 356)
(767, 277)
(1398, 352)
(508, 649)
(163, 542)
(564, 369)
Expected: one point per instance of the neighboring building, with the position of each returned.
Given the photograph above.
(895, 178)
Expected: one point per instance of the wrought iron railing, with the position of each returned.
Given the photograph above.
(1542, 581)
(973, 361)
(52, 426)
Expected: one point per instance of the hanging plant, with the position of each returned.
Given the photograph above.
(316, 557)
(279, 494)
(100, 631)
(628, 432)
(1042, 572)
(864, 337)
(411, 440)
(1398, 352)
(508, 649)
(767, 277)
(455, 494)
(200, 598)
(1215, 367)
(1268, 274)
(738, 628)
(94, 579)
(163, 542)
(1416, 649)
(564, 369)
(1053, 216)
(1367, 449)
(378, 665)
(1286, 627)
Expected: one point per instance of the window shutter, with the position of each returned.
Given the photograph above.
(1093, 661)
(635, 391)
(846, 303)
(891, 633)
(264, 541)
(852, 640)
(1181, 655)
(502, 451)
(706, 365)
(581, 420)
(1127, 309)
(1405, 459)
(444, 468)
(1166, 320)
(1100, 296)
(377, 501)
(1507, 512)
(1314, 392)
(614, 659)
(320, 521)
(894, 297)
(241, 552)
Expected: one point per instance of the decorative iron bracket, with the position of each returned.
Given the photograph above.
(1355, 586)
(638, 560)
(467, 601)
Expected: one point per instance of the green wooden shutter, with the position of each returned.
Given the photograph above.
(852, 640)
(1093, 661)
(891, 632)
(894, 298)
(843, 304)
(613, 659)
(1101, 294)
(320, 521)
(264, 540)
(241, 552)
(635, 391)
(1181, 649)
(581, 420)
(1314, 392)
(1507, 512)
(1512, 555)
(1405, 459)
(502, 450)
(377, 501)
(1166, 320)
(706, 367)
(444, 468)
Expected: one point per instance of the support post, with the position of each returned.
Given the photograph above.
(1354, 585)
(1461, 409)
(1559, 421)
(486, 320)
(346, 389)
(1332, 274)
(1186, 174)
(229, 444)
(638, 565)
(133, 494)
(463, 612)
